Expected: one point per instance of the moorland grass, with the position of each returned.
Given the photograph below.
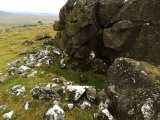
(10, 48)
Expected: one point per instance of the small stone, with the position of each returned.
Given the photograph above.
(70, 106)
(85, 105)
(101, 96)
(43, 93)
(23, 68)
(18, 90)
(32, 74)
(63, 63)
(73, 92)
(55, 113)
(91, 93)
(26, 106)
(8, 115)
(2, 107)
(54, 85)
(3, 78)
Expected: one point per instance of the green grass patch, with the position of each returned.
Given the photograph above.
(10, 48)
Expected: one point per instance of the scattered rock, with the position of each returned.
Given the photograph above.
(55, 113)
(57, 80)
(19, 90)
(25, 51)
(85, 105)
(26, 106)
(103, 115)
(14, 64)
(91, 93)
(103, 112)
(41, 37)
(32, 74)
(3, 78)
(73, 93)
(57, 52)
(27, 42)
(48, 42)
(23, 68)
(2, 107)
(43, 93)
(101, 96)
(8, 115)
(70, 106)
(63, 63)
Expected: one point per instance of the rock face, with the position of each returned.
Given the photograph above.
(110, 28)
(137, 90)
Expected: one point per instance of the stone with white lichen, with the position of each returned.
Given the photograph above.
(8, 115)
(55, 113)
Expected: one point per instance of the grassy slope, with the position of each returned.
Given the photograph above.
(10, 48)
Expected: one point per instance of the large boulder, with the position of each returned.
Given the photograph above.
(110, 28)
(137, 87)
(80, 27)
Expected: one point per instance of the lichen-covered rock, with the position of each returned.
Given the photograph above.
(8, 115)
(77, 27)
(26, 106)
(18, 90)
(2, 107)
(103, 112)
(110, 28)
(41, 37)
(43, 93)
(85, 105)
(127, 73)
(55, 113)
(136, 91)
(91, 93)
(101, 96)
(73, 93)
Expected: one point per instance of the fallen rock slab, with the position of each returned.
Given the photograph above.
(73, 92)
(43, 93)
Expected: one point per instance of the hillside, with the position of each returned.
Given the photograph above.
(21, 42)
(9, 14)
(8, 19)
(100, 63)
